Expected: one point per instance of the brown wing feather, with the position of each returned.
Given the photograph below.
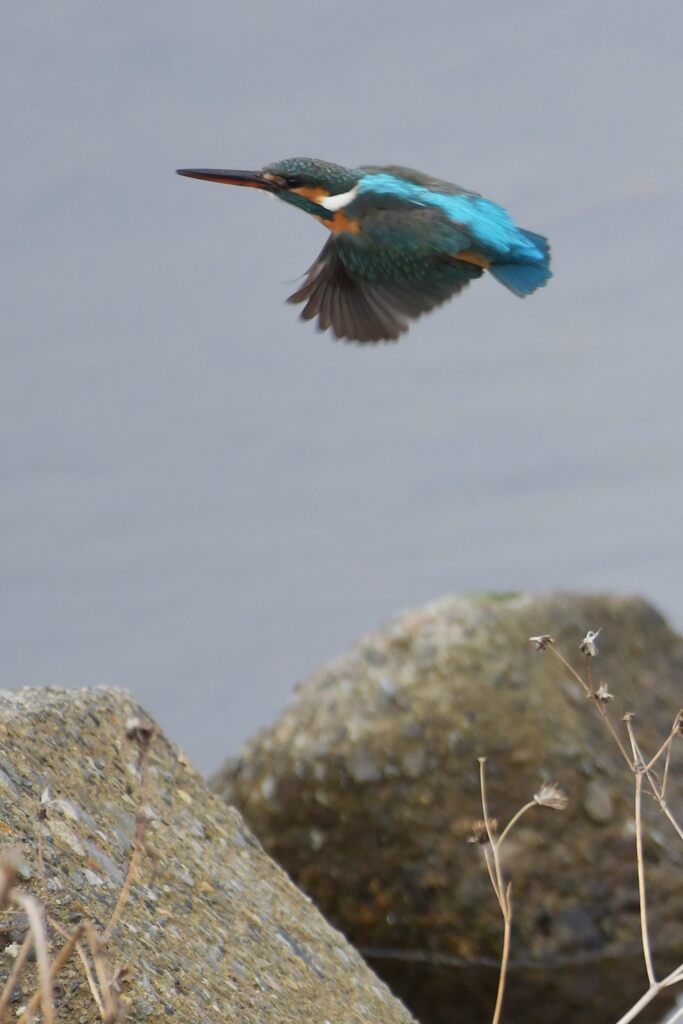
(344, 304)
(364, 311)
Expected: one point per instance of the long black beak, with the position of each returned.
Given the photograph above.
(249, 179)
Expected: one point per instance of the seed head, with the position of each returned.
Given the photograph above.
(602, 694)
(550, 795)
(541, 642)
(139, 731)
(480, 834)
(588, 645)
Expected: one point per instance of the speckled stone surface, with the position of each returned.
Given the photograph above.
(214, 931)
(366, 787)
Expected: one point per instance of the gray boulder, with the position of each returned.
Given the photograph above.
(366, 788)
(213, 931)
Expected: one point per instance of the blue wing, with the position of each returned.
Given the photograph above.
(519, 259)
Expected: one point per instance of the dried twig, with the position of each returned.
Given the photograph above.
(547, 796)
(15, 974)
(36, 918)
(59, 961)
(642, 770)
(142, 734)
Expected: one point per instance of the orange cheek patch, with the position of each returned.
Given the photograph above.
(339, 221)
(314, 194)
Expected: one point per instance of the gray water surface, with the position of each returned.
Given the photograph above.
(201, 497)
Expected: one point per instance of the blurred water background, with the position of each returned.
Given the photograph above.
(202, 498)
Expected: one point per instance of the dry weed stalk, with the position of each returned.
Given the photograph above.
(643, 771)
(103, 982)
(549, 795)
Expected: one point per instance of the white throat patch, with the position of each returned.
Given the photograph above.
(338, 202)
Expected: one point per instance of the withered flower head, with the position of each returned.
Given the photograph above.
(602, 694)
(46, 799)
(550, 795)
(541, 642)
(588, 645)
(480, 835)
(139, 731)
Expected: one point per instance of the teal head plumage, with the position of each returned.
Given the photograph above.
(400, 244)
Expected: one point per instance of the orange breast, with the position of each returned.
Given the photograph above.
(339, 221)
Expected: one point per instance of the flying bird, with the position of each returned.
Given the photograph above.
(401, 243)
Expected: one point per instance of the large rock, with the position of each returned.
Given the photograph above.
(366, 787)
(213, 931)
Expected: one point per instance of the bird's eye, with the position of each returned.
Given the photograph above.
(294, 181)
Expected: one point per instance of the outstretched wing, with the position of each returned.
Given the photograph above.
(368, 287)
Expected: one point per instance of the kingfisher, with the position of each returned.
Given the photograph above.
(401, 243)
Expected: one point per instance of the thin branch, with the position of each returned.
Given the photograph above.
(59, 961)
(143, 738)
(595, 702)
(492, 877)
(665, 745)
(15, 973)
(644, 931)
(515, 818)
(651, 994)
(92, 983)
(500, 891)
(505, 957)
(639, 1006)
(36, 919)
(667, 762)
(111, 1005)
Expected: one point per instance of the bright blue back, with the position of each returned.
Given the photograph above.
(490, 226)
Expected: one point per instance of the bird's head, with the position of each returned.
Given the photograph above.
(301, 181)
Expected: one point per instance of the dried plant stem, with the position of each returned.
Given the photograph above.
(92, 983)
(138, 844)
(641, 769)
(642, 892)
(515, 818)
(36, 918)
(491, 871)
(125, 889)
(594, 701)
(111, 1004)
(666, 746)
(41, 858)
(502, 892)
(499, 889)
(505, 956)
(667, 762)
(11, 983)
(59, 961)
(656, 792)
(651, 994)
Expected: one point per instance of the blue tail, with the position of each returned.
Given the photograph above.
(525, 278)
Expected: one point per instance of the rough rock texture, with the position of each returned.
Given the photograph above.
(366, 787)
(213, 932)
